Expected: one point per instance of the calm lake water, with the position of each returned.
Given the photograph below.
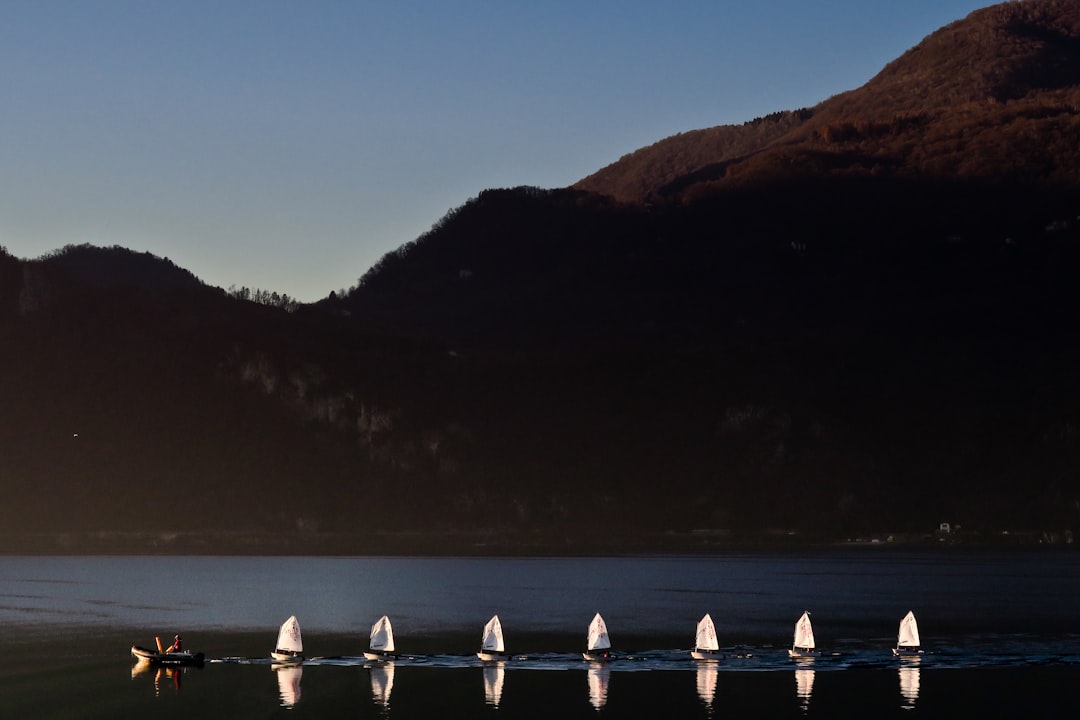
(1001, 632)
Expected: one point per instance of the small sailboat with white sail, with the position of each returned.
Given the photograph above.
(706, 646)
(381, 646)
(598, 642)
(492, 646)
(803, 645)
(290, 646)
(907, 638)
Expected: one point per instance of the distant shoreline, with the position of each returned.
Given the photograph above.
(457, 544)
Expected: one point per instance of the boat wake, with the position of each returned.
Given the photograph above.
(989, 651)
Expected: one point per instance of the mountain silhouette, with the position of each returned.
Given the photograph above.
(851, 320)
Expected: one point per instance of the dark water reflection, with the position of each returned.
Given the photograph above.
(909, 681)
(407, 692)
(1000, 632)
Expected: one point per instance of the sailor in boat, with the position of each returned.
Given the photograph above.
(177, 645)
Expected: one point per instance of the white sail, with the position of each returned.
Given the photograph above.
(908, 636)
(382, 635)
(288, 638)
(706, 635)
(493, 636)
(804, 633)
(493, 684)
(598, 635)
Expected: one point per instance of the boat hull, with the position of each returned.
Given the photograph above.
(491, 656)
(699, 654)
(803, 653)
(162, 658)
(906, 652)
(376, 656)
(598, 656)
(287, 657)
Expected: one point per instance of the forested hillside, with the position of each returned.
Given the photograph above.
(852, 320)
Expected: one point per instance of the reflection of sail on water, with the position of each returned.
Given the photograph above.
(706, 682)
(382, 682)
(288, 680)
(909, 683)
(599, 676)
(804, 685)
(493, 684)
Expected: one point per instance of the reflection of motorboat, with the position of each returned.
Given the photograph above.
(382, 682)
(288, 680)
(290, 646)
(493, 683)
(707, 676)
(909, 682)
(154, 657)
(161, 672)
(706, 646)
(492, 646)
(803, 645)
(141, 667)
(599, 644)
(907, 638)
(804, 686)
(381, 646)
(598, 676)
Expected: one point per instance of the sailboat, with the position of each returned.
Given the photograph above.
(290, 646)
(382, 641)
(598, 641)
(907, 639)
(803, 645)
(705, 645)
(492, 646)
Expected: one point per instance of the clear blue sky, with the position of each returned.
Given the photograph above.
(289, 145)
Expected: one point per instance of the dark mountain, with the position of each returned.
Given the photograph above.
(856, 318)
